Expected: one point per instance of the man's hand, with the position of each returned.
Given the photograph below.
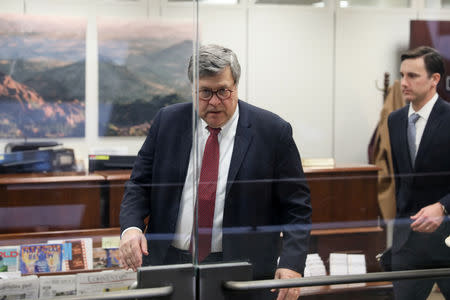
(288, 293)
(132, 245)
(428, 219)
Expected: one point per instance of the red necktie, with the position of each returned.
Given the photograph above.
(207, 192)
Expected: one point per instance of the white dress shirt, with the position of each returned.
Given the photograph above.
(184, 227)
(424, 114)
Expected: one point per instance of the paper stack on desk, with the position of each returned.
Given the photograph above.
(338, 264)
(356, 265)
(347, 264)
(314, 265)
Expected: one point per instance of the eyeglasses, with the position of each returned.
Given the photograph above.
(207, 94)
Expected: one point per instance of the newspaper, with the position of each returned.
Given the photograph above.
(106, 281)
(54, 286)
(9, 275)
(20, 288)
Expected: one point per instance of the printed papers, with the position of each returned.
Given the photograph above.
(106, 281)
(53, 286)
(20, 288)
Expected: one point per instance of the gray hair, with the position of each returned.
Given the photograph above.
(213, 59)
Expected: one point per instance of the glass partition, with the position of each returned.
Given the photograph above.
(156, 133)
(382, 3)
(330, 86)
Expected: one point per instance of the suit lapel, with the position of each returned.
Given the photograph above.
(185, 145)
(242, 142)
(430, 131)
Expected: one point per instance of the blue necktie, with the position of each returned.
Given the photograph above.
(412, 136)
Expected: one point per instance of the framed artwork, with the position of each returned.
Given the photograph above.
(435, 34)
(42, 76)
(142, 67)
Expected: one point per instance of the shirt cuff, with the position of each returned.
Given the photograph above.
(130, 228)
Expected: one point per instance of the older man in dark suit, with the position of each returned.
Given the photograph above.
(251, 182)
(420, 142)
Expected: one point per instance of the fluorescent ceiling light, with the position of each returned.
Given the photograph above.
(344, 3)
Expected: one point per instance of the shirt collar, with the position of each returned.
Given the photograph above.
(425, 111)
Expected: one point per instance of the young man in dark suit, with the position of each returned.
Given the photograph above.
(420, 142)
(255, 185)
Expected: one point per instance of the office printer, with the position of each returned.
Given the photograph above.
(101, 162)
(36, 157)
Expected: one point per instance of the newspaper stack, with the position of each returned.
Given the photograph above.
(9, 275)
(20, 288)
(314, 266)
(106, 281)
(54, 286)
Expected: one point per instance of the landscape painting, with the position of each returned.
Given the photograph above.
(42, 76)
(142, 67)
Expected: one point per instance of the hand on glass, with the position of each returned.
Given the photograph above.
(132, 245)
(287, 293)
(428, 219)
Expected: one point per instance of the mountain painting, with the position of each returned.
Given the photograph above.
(42, 76)
(142, 68)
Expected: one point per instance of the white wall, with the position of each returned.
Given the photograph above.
(291, 71)
(316, 67)
(368, 43)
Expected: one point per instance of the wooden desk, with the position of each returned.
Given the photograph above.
(341, 196)
(344, 201)
(344, 193)
(345, 209)
(115, 181)
(345, 212)
(49, 201)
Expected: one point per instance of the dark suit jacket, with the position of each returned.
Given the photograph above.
(429, 181)
(266, 189)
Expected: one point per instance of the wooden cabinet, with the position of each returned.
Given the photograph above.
(115, 183)
(344, 195)
(45, 202)
(345, 209)
(344, 200)
(346, 215)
